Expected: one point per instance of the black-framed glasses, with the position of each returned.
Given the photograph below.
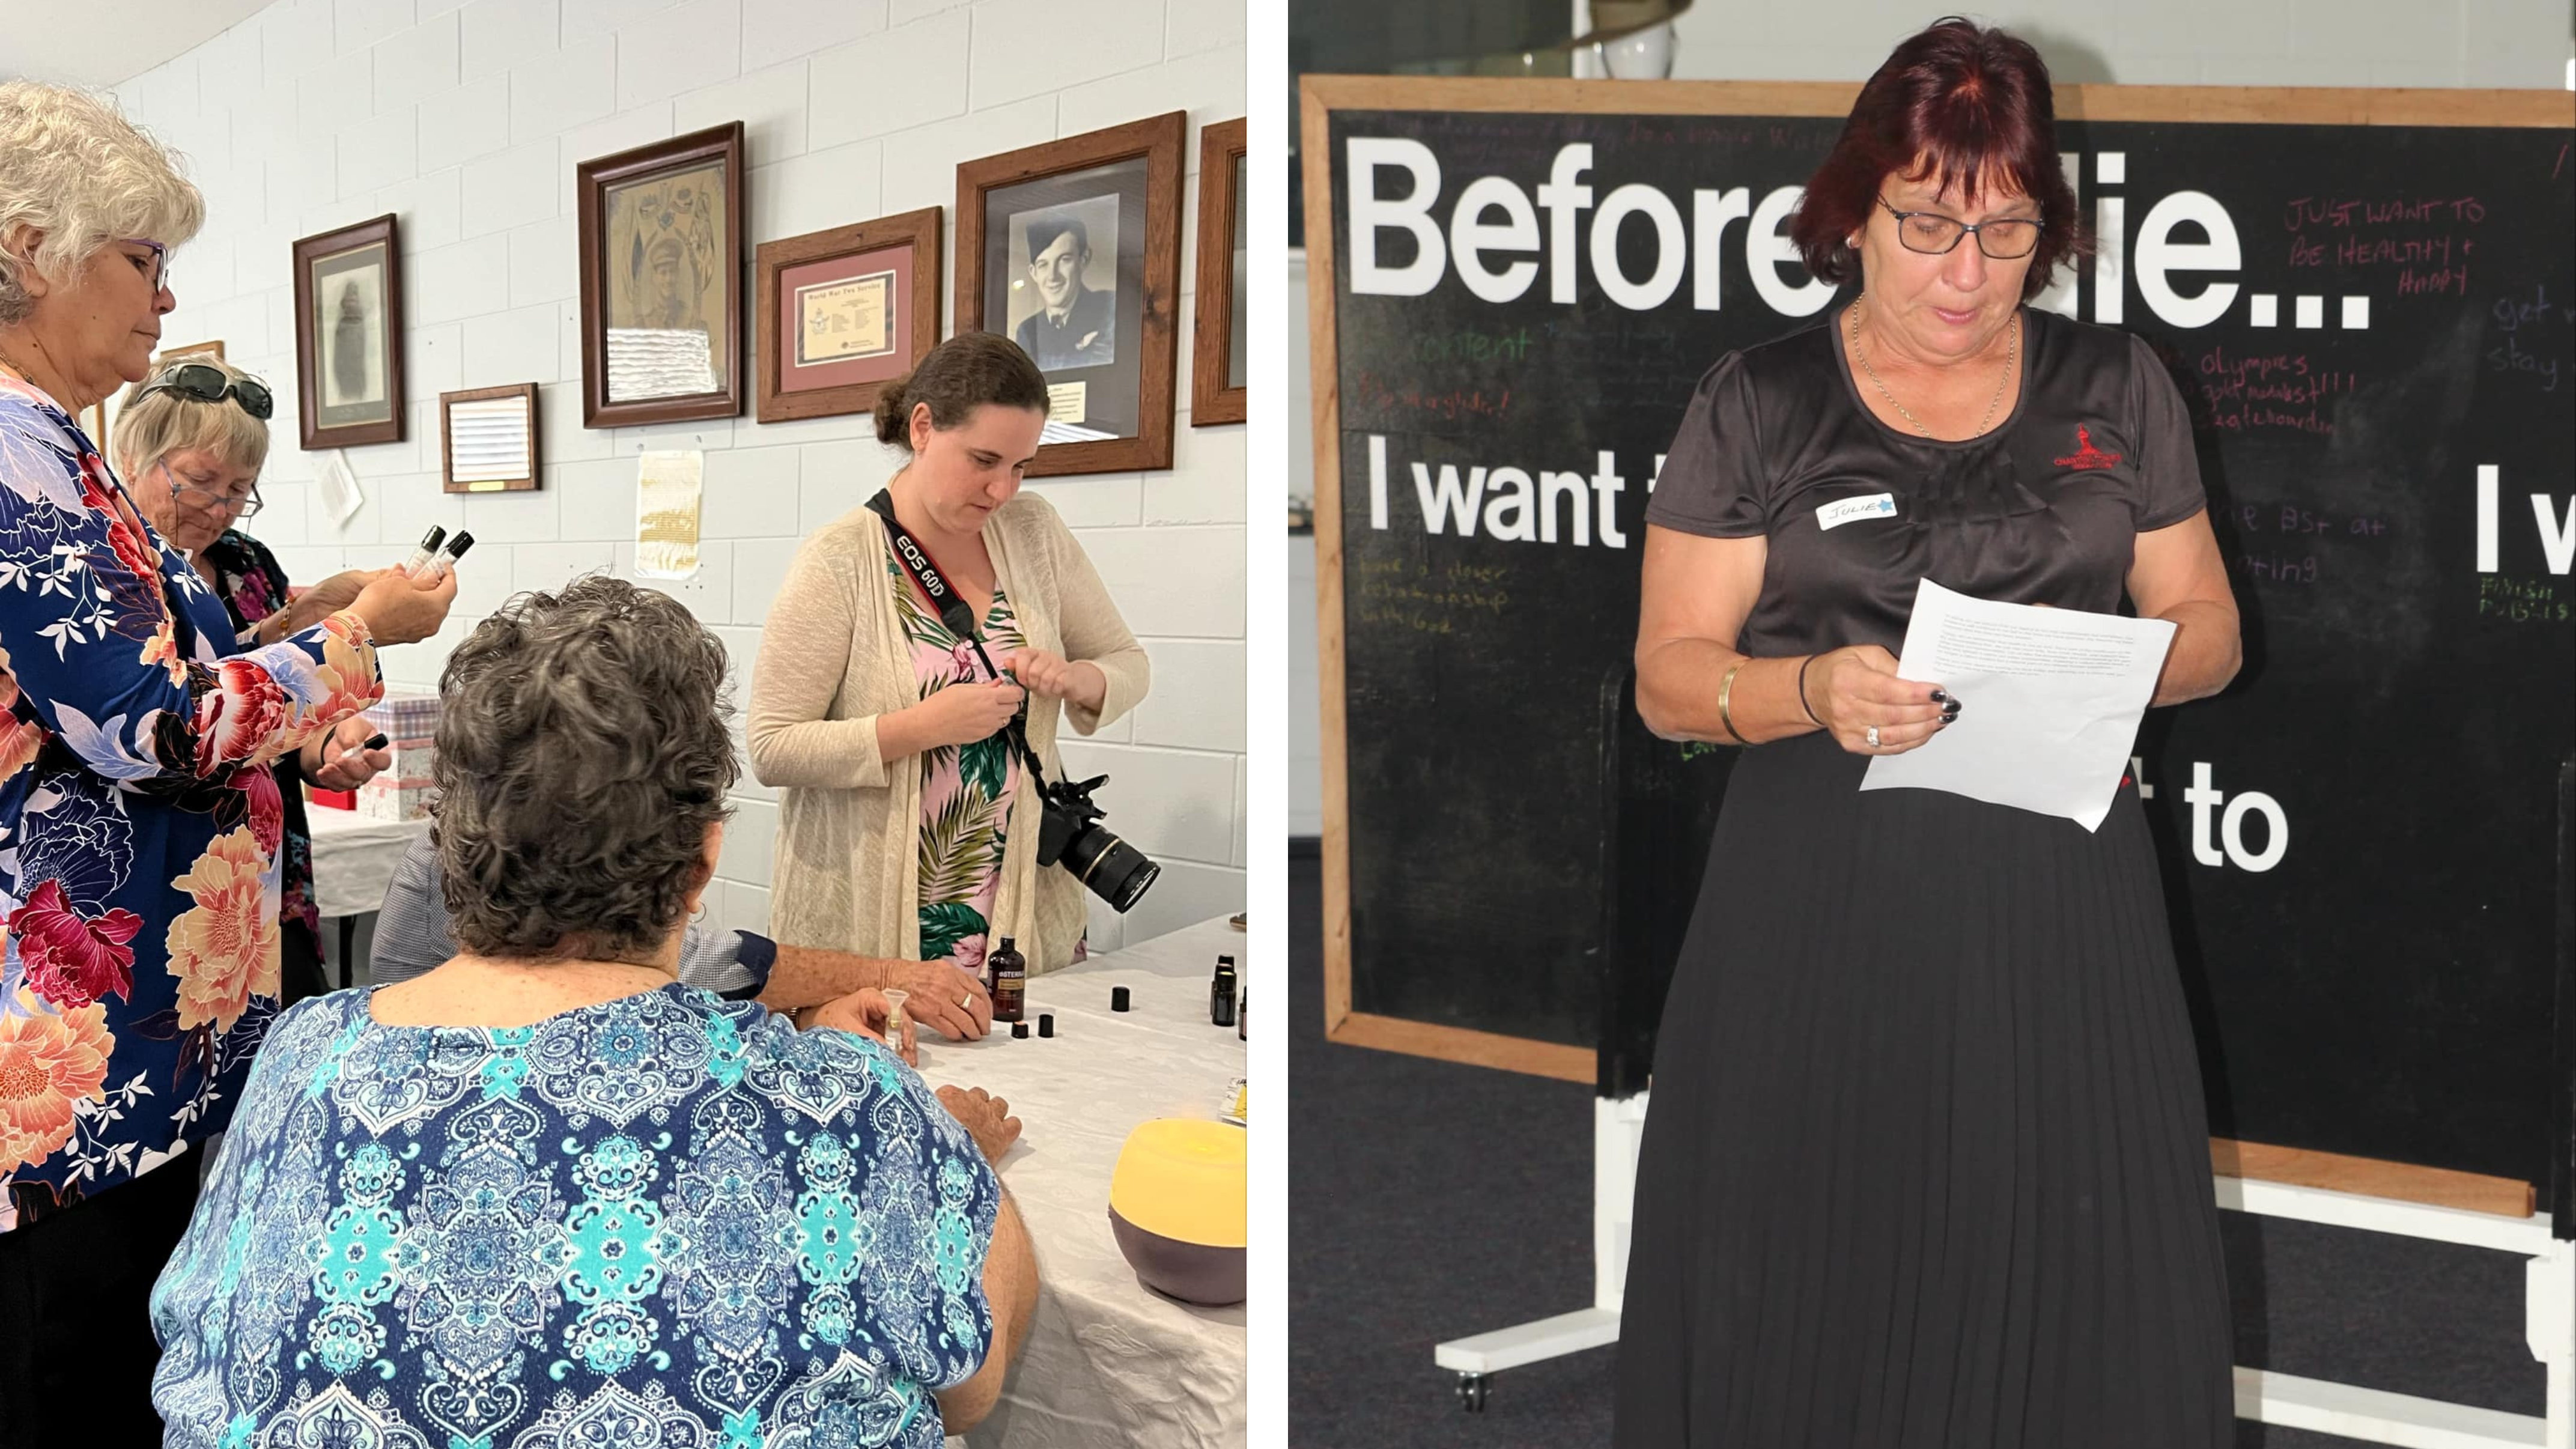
(212, 384)
(160, 259)
(240, 505)
(1929, 232)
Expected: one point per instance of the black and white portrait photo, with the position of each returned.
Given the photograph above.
(349, 297)
(1064, 296)
(348, 336)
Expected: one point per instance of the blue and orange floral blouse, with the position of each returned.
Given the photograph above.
(665, 1219)
(140, 826)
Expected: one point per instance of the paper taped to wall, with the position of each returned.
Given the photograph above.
(666, 513)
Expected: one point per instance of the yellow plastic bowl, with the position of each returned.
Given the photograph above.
(1176, 1207)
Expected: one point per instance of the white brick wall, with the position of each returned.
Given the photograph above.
(468, 121)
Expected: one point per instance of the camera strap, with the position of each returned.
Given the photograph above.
(954, 612)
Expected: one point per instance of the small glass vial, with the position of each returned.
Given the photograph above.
(428, 550)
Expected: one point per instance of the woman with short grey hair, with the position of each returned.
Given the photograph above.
(140, 824)
(548, 1192)
(190, 443)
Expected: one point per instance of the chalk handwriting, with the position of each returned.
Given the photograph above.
(2307, 211)
(2507, 600)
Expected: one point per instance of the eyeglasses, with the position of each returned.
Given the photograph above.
(160, 260)
(1933, 234)
(239, 505)
(212, 384)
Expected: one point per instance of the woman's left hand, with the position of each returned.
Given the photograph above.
(340, 760)
(1042, 673)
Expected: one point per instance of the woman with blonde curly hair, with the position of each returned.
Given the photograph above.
(140, 826)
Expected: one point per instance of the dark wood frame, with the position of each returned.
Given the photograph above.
(1158, 139)
(447, 450)
(1321, 96)
(919, 229)
(308, 381)
(1212, 336)
(593, 180)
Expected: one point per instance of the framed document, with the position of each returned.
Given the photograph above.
(661, 281)
(348, 336)
(488, 439)
(1217, 343)
(842, 312)
(1072, 250)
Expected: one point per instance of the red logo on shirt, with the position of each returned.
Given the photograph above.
(2084, 455)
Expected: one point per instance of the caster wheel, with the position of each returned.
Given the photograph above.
(1471, 1393)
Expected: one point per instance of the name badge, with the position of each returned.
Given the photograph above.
(1835, 515)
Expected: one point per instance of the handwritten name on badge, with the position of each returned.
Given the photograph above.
(1835, 515)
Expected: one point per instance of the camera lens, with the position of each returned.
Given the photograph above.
(1115, 871)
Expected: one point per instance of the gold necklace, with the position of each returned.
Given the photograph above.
(2012, 355)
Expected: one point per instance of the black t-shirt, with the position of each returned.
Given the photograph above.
(2042, 510)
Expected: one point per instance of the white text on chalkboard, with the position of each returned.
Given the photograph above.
(1507, 503)
(2204, 797)
(2557, 531)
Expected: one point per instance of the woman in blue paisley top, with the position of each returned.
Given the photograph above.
(545, 1194)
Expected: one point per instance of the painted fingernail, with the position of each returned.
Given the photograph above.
(1940, 698)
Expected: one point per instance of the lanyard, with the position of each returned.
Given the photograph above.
(956, 614)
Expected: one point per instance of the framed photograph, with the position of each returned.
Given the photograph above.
(1217, 344)
(661, 281)
(842, 312)
(488, 439)
(348, 336)
(1072, 249)
(213, 348)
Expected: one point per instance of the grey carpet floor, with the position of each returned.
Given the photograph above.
(1429, 1201)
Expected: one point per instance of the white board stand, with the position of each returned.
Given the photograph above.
(2371, 1415)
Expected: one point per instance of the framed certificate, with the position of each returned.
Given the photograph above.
(844, 311)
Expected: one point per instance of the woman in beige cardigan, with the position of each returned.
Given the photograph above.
(906, 827)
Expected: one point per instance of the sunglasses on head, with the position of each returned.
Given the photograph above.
(211, 384)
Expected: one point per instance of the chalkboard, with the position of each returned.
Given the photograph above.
(2369, 299)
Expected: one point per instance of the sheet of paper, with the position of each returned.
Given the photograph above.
(666, 513)
(338, 487)
(2049, 699)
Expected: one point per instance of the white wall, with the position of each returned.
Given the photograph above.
(468, 121)
(2487, 43)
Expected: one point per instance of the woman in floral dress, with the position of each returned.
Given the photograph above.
(139, 824)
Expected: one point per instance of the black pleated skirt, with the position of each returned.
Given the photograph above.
(1926, 1163)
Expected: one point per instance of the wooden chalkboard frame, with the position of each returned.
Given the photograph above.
(1321, 96)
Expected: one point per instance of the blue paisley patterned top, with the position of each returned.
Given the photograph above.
(662, 1220)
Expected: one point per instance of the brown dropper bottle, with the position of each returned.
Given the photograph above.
(1007, 977)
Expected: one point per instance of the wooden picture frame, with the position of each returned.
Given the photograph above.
(348, 380)
(212, 347)
(646, 328)
(1217, 343)
(1107, 350)
(496, 429)
(875, 283)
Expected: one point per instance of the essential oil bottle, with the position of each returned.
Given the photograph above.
(1221, 993)
(1007, 977)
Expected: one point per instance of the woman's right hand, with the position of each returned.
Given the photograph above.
(401, 611)
(962, 713)
(985, 1117)
(1854, 688)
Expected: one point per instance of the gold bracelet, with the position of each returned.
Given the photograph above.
(1725, 699)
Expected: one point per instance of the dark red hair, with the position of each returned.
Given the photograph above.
(1965, 105)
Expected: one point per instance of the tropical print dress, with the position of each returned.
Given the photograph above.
(665, 1220)
(140, 825)
(965, 789)
(253, 586)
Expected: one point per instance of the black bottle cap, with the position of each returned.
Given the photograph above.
(1117, 998)
(1046, 1023)
(430, 541)
(374, 742)
(457, 546)
(1019, 1031)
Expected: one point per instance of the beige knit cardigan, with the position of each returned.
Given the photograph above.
(846, 873)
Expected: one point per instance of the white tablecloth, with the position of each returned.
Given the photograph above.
(1109, 1363)
(354, 858)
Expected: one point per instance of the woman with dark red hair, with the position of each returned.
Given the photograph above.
(1933, 1167)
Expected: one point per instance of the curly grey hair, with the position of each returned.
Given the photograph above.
(582, 754)
(78, 174)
